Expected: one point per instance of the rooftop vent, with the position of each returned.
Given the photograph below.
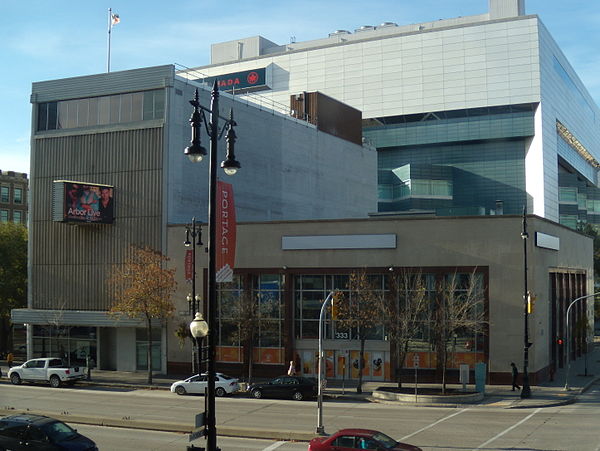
(388, 24)
(338, 33)
(365, 28)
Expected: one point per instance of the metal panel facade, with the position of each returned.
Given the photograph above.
(71, 263)
(103, 84)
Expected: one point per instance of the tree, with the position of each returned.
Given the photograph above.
(360, 311)
(13, 277)
(403, 309)
(143, 287)
(248, 315)
(459, 310)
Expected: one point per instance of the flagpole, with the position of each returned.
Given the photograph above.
(109, 30)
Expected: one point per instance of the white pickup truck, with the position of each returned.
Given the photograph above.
(47, 370)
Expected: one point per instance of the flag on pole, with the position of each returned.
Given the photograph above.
(114, 19)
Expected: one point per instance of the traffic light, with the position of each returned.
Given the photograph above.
(530, 302)
(559, 341)
(334, 309)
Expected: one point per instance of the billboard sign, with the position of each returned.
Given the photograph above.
(248, 79)
(225, 233)
(82, 202)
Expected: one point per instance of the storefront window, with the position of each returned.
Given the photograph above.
(141, 348)
(72, 344)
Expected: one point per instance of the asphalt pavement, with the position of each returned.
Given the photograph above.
(583, 372)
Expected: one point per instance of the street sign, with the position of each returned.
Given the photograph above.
(200, 429)
(197, 433)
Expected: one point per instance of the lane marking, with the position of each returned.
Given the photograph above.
(274, 446)
(510, 428)
(433, 424)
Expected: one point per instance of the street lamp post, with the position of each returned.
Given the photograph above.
(199, 329)
(320, 426)
(526, 390)
(194, 231)
(568, 337)
(195, 153)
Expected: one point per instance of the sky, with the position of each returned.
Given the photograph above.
(50, 39)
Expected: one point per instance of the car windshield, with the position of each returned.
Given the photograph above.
(385, 440)
(58, 431)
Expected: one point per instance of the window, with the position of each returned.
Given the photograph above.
(4, 194)
(17, 216)
(93, 111)
(567, 195)
(3, 215)
(18, 196)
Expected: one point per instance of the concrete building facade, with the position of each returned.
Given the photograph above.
(127, 130)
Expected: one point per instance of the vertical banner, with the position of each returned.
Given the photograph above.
(225, 234)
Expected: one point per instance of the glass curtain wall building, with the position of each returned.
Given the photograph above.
(474, 115)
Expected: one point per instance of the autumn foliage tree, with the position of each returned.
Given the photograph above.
(13, 276)
(143, 287)
(247, 314)
(360, 311)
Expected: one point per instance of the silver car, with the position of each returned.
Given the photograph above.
(224, 385)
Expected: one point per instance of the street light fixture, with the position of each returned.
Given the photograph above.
(526, 390)
(196, 153)
(194, 231)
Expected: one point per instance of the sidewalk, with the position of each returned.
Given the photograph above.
(544, 395)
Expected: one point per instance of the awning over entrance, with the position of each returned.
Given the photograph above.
(75, 318)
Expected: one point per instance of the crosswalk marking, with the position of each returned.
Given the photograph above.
(273, 446)
(509, 429)
(433, 424)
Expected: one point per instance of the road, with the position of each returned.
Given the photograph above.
(572, 427)
(117, 439)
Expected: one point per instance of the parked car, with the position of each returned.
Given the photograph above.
(224, 385)
(294, 387)
(20, 432)
(350, 439)
(49, 369)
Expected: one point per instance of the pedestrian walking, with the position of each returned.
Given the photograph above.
(9, 359)
(515, 373)
(292, 369)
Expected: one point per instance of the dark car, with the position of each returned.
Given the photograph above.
(28, 432)
(294, 387)
(350, 439)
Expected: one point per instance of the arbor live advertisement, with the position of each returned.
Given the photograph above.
(91, 203)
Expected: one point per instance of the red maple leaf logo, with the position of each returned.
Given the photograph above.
(252, 78)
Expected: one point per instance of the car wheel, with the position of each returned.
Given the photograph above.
(297, 396)
(220, 391)
(180, 390)
(257, 394)
(15, 379)
(54, 381)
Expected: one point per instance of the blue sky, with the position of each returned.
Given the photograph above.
(44, 40)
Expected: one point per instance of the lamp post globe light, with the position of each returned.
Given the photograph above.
(196, 153)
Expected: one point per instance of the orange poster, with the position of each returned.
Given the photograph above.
(228, 354)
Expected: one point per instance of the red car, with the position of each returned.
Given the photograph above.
(351, 439)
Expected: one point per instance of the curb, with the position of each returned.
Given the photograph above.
(165, 426)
